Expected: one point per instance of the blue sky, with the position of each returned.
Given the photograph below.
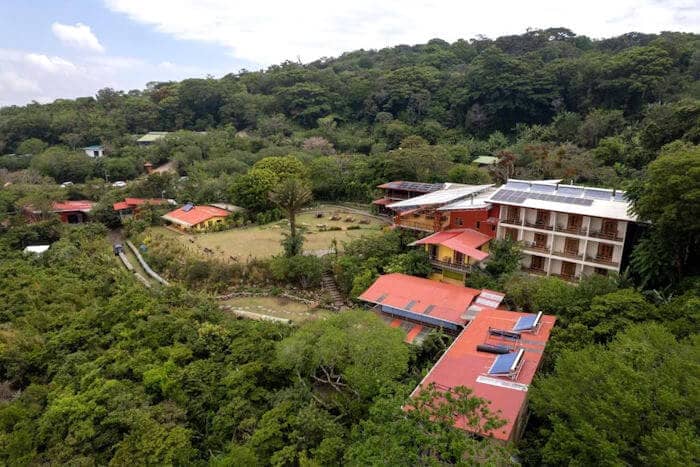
(52, 49)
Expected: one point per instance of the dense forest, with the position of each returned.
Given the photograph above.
(96, 370)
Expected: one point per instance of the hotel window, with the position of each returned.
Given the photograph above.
(478, 224)
(459, 221)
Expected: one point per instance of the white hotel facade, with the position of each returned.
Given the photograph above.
(565, 230)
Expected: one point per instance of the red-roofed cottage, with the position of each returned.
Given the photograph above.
(190, 217)
(70, 212)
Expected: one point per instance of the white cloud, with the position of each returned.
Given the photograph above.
(31, 76)
(50, 64)
(12, 83)
(80, 36)
(270, 31)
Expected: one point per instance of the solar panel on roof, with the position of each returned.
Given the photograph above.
(570, 190)
(544, 188)
(382, 297)
(598, 194)
(506, 363)
(411, 304)
(518, 185)
(528, 322)
(429, 309)
(188, 207)
(620, 196)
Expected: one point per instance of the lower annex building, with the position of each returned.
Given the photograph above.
(496, 352)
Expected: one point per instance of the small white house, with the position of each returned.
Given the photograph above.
(94, 151)
(36, 249)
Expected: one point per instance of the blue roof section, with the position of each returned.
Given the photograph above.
(503, 364)
(96, 147)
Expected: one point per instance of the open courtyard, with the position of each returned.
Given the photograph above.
(264, 241)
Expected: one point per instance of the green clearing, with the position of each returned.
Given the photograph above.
(279, 307)
(264, 241)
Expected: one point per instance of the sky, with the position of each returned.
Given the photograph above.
(53, 49)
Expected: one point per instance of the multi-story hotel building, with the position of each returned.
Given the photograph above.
(565, 230)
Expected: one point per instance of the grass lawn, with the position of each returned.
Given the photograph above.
(264, 241)
(276, 306)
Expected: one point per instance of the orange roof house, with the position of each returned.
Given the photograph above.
(196, 217)
(497, 356)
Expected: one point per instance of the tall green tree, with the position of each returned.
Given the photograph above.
(291, 195)
(668, 197)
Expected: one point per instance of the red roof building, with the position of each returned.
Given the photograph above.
(421, 300)
(196, 217)
(454, 252)
(501, 378)
(70, 212)
(131, 206)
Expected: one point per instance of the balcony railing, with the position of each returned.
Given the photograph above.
(538, 271)
(539, 225)
(512, 221)
(423, 226)
(568, 254)
(570, 230)
(536, 247)
(567, 277)
(602, 260)
(607, 235)
(458, 267)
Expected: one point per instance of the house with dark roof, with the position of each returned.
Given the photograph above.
(400, 190)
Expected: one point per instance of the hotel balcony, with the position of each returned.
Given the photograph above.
(567, 277)
(568, 254)
(416, 225)
(614, 236)
(512, 221)
(539, 225)
(574, 231)
(602, 260)
(536, 247)
(539, 272)
(456, 267)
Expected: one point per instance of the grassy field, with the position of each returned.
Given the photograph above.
(264, 241)
(276, 306)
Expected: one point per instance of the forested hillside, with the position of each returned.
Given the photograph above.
(97, 370)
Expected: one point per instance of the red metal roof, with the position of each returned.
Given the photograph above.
(463, 365)
(195, 215)
(382, 201)
(68, 206)
(134, 202)
(448, 301)
(466, 241)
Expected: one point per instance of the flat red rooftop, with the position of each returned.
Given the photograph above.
(463, 365)
(68, 206)
(419, 296)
